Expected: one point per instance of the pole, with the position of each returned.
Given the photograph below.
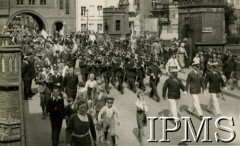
(87, 20)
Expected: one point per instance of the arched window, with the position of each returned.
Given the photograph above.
(16, 64)
(3, 64)
(10, 64)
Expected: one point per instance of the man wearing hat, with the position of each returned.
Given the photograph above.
(215, 81)
(155, 73)
(108, 116)
(195, 82)
(173, 85)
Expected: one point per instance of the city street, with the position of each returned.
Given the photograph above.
(38, 131)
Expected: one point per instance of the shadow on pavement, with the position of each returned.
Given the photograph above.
(136, 132)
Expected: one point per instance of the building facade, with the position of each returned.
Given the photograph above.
(235, 28)
(203, 24)
(47, 14)
(89, 14)
(155, 17)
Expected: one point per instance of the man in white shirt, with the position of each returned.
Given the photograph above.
(90, 84)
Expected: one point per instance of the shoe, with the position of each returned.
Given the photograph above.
(209, 111)
(200, 117)
(189, 112)
(122, 92)
(43, 117)
(158, 100)
(108, 92)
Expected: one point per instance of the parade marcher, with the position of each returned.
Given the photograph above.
(228, 67)
(108, 116)
(133, 44)
(155, 73)
(65, 55)
(107, 73)
(83, 68)
(195, 84)
(57, 79)
(172, 63)
(141, 74)
(80, 127)
(142, 110)
(131, 73)
(27, 78)
(119, 74)
(70, 83)
(215, 83)
(57, 114)
(173, 85)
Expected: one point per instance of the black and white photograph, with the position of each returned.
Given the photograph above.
(119, 72)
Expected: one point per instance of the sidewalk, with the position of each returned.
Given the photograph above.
(183, 77)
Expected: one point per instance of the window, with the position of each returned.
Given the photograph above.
(83, 11)
(169, 29)
(61, 4)
(19, 2)
(154, 3)
(10, 64)
(99, 27)
(43, 2)
(16, 64)
(118, 26)
(83, 26)
(67, 6)
(31, 2)
(99, 8)
(3, 64)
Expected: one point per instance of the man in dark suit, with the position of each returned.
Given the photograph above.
(195, 83)
(215, 84)
(173, 85)
(131, 73)
(119, 74)
(57, 114)
(70, 82)
(83, 68)
(154, 73)
(107, 73)
(27, 78)
(57, 79)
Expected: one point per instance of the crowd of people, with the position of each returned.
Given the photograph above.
(51, 62)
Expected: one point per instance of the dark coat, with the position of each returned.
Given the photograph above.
(70, 84)
(130, 70)
(26, 71)
(215, 82)
(173, 88)
(83, 67)
(57, 79)
(154, 72)
(56, 109)
(195, 82)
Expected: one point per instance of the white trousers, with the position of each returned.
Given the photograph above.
(173, 107)
(213, 104)
(195, 105)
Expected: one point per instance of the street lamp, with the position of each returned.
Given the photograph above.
(87, 17)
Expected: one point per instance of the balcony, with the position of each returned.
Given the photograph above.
(160, 8)
(4, 7)
(201, 3)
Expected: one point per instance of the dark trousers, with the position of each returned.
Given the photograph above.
(131, 82)
(56, 129)
(153, 85)
(120, 83)
(27, 88)
(113, 80)
(106, 81)
(140, 81)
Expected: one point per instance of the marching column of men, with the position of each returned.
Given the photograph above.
(113, 66)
